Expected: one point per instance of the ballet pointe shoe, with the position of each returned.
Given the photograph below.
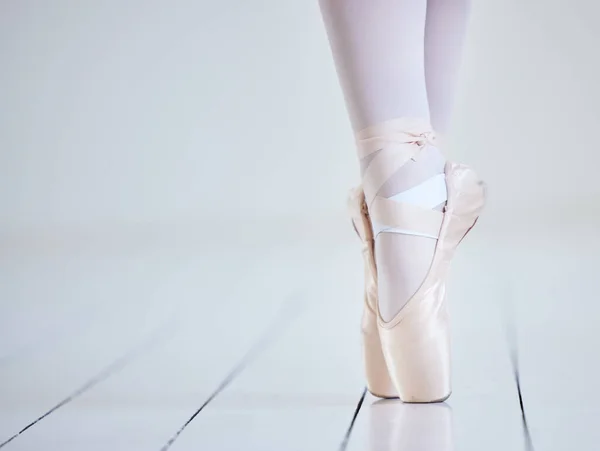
(415, 344)
(378, 380)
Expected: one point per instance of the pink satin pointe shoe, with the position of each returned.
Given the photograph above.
(409, 356)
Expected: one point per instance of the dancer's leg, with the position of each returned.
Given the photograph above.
(378, 48)
(445, 29)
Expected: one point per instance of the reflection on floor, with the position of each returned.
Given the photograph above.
(257, 347)
(393, 425)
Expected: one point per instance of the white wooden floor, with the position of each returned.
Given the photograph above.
(117, 348)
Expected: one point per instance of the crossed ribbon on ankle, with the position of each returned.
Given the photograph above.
(395, 143)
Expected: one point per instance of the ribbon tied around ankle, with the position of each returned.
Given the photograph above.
(395, 143)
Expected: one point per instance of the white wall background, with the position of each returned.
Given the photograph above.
(120, 115)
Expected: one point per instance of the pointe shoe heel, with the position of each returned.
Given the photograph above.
(378, 380)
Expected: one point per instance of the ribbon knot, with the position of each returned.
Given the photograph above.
(425, 138)
(393, 144)
(421, 141)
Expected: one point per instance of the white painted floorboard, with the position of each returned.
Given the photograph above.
(300, 388)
